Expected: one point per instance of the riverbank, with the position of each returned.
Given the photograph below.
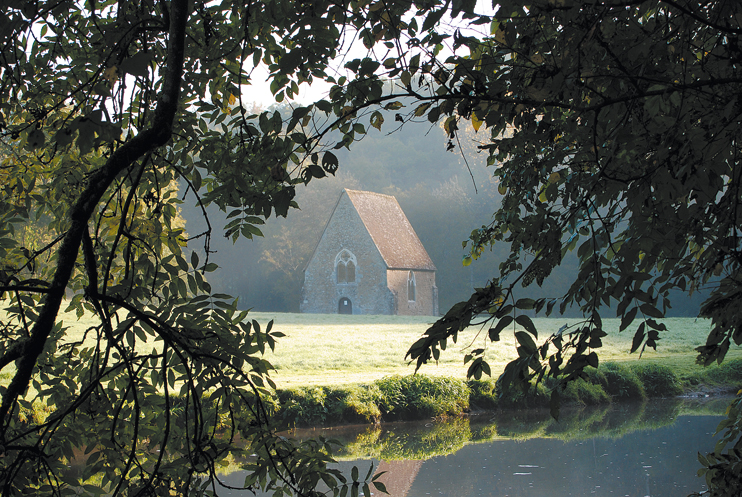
(337, 369)
(415, 397)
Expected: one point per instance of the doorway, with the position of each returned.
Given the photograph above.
(345, 306)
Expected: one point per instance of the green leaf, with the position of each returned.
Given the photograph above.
(525, 340)
(638, 338)
(554, 404)
(432, 19)
(377, 120)
(380, 486)
(592, 359)
(627, 318)
(494, 333)
(330, 162)
(314, 170)
(525, 304)
(196, 179)
(63, 137)
(137, 64)
(651, 311)
(476, 368)
(35, 140)
(526, 323)
(421, 109)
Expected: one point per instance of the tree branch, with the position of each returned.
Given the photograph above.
(157, 135)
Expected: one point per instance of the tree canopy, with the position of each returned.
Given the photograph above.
(611, 127)
(614, 129)
(105, 108)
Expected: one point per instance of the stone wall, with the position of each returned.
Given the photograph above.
(426, 293)
(369, 293)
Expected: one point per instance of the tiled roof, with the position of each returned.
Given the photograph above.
(391, 231)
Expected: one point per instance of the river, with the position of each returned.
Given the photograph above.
(631, 450)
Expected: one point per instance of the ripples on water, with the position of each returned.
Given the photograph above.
(637, 450)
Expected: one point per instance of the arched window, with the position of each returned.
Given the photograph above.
(411, 287)
(350, 272)
(345, 267)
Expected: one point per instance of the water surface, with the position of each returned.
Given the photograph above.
(660, 462)
(625, 450)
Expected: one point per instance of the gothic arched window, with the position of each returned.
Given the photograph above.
(341, 270)
(345, 267)
(411, 287)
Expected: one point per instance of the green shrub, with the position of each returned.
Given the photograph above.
(303, 406)
(311, 406)
(418, 396)
(391, 397)
(622, 382)
(482, 394)
(514, 397)
(335, 401)
(585, 392)
(728, 374)
(361, 405)
(588, 390)
(658, 380)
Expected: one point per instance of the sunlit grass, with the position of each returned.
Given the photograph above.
(332, 349)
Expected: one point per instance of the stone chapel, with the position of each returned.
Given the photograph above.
(369, 260)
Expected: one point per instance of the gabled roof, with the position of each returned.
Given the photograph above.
(390, 230)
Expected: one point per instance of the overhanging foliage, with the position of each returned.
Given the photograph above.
(613, 127)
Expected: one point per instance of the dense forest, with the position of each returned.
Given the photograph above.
(444, 188)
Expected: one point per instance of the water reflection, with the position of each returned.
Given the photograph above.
(659, 462)
(625, 450)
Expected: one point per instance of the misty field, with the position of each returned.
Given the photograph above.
(332, 349)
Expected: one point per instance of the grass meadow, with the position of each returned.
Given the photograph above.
(335, 350)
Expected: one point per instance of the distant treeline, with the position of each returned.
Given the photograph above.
(444, 188)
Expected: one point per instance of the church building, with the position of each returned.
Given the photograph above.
(369, 260)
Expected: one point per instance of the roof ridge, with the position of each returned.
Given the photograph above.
(370, 193)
